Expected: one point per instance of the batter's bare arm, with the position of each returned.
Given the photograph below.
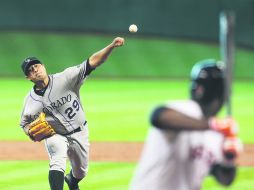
(167, 118)
(101, 56)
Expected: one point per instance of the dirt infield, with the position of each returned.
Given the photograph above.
(100, 151)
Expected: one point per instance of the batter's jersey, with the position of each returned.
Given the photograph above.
(61, 100)
(177, 160)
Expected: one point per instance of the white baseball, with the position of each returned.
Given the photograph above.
(133, 28)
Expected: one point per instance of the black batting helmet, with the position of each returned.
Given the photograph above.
(207, 81)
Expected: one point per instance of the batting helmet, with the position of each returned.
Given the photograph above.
(207, 81)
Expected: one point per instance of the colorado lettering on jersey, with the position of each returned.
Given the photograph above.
(58, 103)
(70, 110)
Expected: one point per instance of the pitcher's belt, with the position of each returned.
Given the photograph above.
(76, 130)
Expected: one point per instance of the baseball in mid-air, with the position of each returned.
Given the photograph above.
(133, 28)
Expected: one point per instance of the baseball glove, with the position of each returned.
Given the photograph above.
(39, 129)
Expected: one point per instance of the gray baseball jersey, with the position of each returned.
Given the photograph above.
(61, 101)
(177, 160)
(64, 112)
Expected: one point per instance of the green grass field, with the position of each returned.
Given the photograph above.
(24, 175)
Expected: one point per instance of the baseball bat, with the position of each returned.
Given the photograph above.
(227, 23)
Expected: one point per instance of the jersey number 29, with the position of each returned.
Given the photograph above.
(70, 111)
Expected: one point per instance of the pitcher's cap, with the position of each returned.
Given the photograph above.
(29, 62)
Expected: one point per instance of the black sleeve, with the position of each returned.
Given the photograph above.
(223, 174)
(169, 119)
(89, 69)
(155, 116)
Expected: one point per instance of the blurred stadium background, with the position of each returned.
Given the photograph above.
(68, 28)
(152, 67)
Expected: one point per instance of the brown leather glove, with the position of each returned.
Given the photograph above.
(39, 129)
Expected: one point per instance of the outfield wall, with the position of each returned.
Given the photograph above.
(194, 19)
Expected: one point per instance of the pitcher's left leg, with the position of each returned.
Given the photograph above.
(78, 153)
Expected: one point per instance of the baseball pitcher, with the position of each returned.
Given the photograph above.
(53, 112)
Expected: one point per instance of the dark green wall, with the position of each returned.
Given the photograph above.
(196, 19)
